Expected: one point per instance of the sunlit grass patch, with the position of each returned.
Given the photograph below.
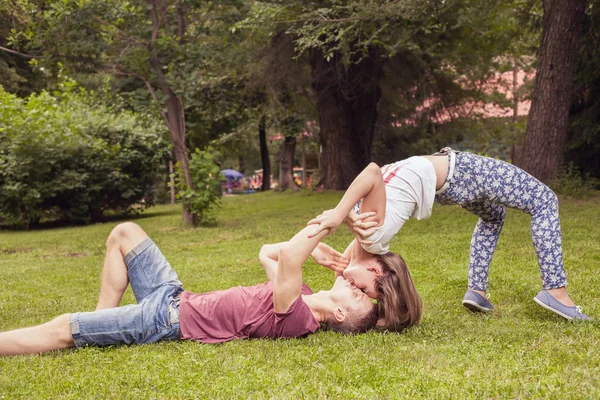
(518, 351)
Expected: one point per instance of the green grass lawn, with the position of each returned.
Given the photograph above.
(518, 351)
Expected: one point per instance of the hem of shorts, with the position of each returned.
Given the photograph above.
(75, 331)
(137, 250)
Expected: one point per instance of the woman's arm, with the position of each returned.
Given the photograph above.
(367, 186)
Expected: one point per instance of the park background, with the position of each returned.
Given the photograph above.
(103, 104)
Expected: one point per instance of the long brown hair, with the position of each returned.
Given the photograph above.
(399, 303)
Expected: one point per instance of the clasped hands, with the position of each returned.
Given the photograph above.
(330, 220)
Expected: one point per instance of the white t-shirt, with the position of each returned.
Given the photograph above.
(410, 191)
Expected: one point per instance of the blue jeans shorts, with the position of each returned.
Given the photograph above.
(155, 317)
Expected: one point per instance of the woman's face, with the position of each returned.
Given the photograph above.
(363, 274)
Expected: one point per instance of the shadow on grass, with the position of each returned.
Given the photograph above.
(46, 225)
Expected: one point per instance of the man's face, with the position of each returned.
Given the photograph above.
(349, 297)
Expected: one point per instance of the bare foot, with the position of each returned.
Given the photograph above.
(561, 295)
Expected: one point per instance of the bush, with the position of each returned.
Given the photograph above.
(68, 159)
(570, 182)
(201, 199)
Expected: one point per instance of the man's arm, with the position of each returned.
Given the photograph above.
(323, 255)
(287, 285)
(269, 258)
(369, 187)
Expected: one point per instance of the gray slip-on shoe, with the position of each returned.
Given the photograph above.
(549, 302)
(476, 302)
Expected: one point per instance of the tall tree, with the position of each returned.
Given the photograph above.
(16, 75)
(155, 41)
(264, 153)
(353, 45)
(583, 143)
(546, 134)
(347, 99)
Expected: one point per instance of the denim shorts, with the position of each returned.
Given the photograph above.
(155, 317)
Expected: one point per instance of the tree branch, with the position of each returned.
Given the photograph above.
(123, 34)
(117, 70)
(19, 53)
(180, 22)
(157, 19)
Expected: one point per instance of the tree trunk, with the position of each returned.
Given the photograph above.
(175, 115)
(175, 120)
(242, 164)
(514, 150)
(264, 154)
(546, 133)
(172, 181)
(176, 124)
(347, 98)
(286, 162)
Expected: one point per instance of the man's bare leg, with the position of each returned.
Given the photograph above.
(56, 334)
(123, 238)
(53, 335)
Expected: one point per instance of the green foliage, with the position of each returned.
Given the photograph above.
(438, 55)
(71, 159)
(583, 143)
(205, 194)
(17, 73)
(315, 180)
(570, 182)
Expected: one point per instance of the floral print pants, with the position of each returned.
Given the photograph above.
(485, 186)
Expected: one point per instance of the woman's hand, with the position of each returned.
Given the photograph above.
(329, 258)
(329, 219)
(360, 228)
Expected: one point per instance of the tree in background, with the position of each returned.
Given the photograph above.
(354, 47)
(16, 75)
(546, 134)
(583, 142)
(159, 42)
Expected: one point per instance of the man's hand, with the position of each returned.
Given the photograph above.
(360, 228)
(329, 219)
(329, 258)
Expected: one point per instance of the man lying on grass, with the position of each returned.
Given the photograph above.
(283, 307)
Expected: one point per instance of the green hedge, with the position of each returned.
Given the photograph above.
(66, 158)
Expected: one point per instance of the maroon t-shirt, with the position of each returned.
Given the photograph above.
(242, 312)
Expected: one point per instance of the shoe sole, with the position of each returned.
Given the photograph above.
(555, 311)
(473, 306)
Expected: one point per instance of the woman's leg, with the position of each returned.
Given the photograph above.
(123, 238)
(483, 242)
(481, 180)
(547, 241)
(53, 335)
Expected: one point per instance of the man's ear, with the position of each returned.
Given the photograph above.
(339, 314)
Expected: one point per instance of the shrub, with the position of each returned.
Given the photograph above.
(205, 195)
(570, 182)
(67, 159)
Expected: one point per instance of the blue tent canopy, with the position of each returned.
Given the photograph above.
(232, 174)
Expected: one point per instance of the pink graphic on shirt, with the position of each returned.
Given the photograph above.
(391, 175)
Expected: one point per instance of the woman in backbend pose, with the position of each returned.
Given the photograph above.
(481, 185)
